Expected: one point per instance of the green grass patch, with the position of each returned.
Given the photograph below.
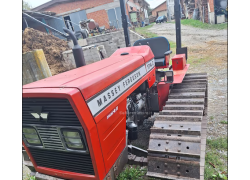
(132, 173)
(224, 122)
(199, 24)
(211, 173)
(211, 117)
(220, 143)
(145, 32)
(29, 177)
(214, 157)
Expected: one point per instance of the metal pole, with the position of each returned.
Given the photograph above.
(177, 15)
(26, 22)
(125, 23)
(168, 10)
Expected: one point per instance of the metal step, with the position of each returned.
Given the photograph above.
(194, 80)
(196, 74)
(178, 118)
(188, 95)
(184, 86)
(183, 107)
(186, 101)
(195, 77)
(182, 112)
(188, 90)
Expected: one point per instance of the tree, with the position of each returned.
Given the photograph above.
(26, 5)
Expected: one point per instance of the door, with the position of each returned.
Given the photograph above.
(112, 18)
(58, 24)
(76, 17)
(162, 13)
(133, 17)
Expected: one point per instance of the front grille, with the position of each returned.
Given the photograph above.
(53, 154)
(66, 161)
(60, 112)
(50, 138)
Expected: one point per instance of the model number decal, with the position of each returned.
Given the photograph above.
(113, 112)
(106, 97)
(150, 65)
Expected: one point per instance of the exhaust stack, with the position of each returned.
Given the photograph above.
(77, 50)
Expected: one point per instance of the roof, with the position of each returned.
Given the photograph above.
(159, 5)
(53, 2)
(50, 3)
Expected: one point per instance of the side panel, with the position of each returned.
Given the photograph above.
(112, 133)
(163, 92)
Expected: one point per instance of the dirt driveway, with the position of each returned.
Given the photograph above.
(207, 52)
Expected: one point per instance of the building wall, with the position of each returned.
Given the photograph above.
(211, 4)
(84, 4)
(162, 7)
(101, 17)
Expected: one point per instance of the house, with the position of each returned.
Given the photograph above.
(161, 9)
(105, 12)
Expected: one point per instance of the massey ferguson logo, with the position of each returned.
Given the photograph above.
(38, 114)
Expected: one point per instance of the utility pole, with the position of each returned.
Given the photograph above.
(168, 10)
(125, 23)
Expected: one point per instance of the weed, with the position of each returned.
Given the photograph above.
(224, 122)
(212, 173)
(29, 177)
(132, 173)
(199, 24)
(220, 143)
(211, 117)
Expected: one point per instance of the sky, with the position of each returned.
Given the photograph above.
(35, 3)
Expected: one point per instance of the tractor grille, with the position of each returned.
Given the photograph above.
(66, 161)
(60, 112)
(53, 154)
(50, 138)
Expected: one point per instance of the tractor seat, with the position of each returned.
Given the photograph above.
(160, 48)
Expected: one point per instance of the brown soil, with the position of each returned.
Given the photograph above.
(51, 46)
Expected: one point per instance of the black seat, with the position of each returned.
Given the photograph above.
(159, 46)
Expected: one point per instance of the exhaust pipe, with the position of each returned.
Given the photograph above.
(77, 49)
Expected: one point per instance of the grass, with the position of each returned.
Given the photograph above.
(220, 143)
(144, 31)
(199, 24)
(224, 122)
(29, 177)
(214, 157)
(132, 173)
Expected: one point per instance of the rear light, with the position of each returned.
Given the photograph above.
(30, 135)
(167, 60)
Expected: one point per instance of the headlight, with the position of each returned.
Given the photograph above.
(73, 139)
(31, 136)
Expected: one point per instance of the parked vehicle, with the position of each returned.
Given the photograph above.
(161, 19)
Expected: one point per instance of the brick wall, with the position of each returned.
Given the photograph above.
(101, 17)
(84, 4)
(162, 7)
(211, 4)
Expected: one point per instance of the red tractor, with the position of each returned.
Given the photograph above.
(75, 123)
